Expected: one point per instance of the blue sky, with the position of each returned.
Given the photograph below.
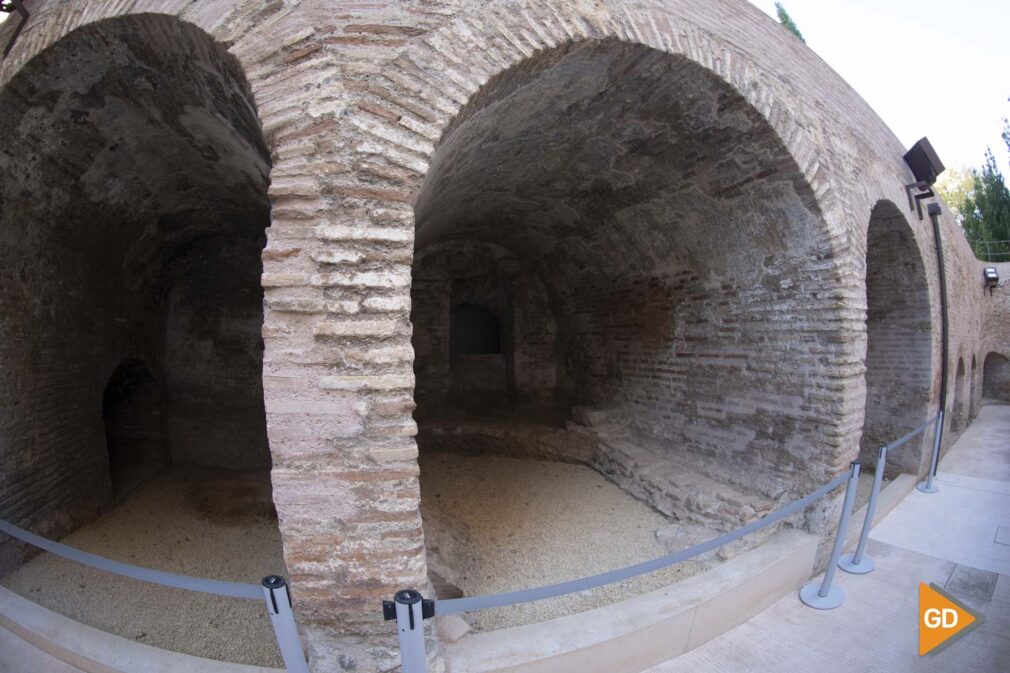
(929, 68)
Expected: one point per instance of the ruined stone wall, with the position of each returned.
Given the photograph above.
(353, 100)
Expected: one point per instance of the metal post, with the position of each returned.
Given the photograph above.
(410, 627)
(859, 563)
(928, 486)
(275, 590)
(822, 595)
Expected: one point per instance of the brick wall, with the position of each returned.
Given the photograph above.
(136, 236)
(353, 99)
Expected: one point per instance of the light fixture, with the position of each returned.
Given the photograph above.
(991, 276)
(9, 7)
(926, 167)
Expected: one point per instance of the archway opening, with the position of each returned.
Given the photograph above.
(133, 216)
(996, 377)
(658, 267)
(958, 411)
(134, 432)
(973, 391)
(898, 340)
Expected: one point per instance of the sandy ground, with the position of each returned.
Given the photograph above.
(522, 523)
(215, 525)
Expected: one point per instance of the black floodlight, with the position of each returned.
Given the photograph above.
(924, 162)
(926, 167)
(991, 276)
(9, 7)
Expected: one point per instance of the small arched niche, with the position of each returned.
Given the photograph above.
(958, 408)
(134, 427)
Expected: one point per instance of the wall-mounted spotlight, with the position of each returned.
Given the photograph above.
(991, 276)
(926, 167)
(9, 7)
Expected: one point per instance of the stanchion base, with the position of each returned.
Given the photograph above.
(925, 487)
(810, 596)
(865, 565)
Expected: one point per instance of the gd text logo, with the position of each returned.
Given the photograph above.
(942, 619)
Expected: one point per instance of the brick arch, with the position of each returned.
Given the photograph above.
(59, 25)
(899, 370)
(996, 376)
(391, 133)
(456, 60)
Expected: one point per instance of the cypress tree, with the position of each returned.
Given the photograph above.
(787, 21)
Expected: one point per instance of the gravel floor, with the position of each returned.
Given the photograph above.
(520, 523)
(195, 522)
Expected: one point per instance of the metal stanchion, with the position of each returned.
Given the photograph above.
(859, 563)
(410, 611)
(928, 486)
(275, 590)
(822, 595)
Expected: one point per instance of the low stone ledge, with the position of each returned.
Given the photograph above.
(95, 651)
(638, 633)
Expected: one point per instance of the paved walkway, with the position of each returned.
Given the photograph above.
(958, 538)
(19, 656)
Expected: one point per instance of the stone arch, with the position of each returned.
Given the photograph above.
(996, 377)
(899, 339)
(958, 410)
(973, 389)
(662, 268)
(133, 218)
(355, 368)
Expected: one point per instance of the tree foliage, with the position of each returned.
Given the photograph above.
(787, 21)
(985, 212)
(954, 186)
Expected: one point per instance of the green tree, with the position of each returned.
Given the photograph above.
(787, 21)
(955, 185)
(985, 212)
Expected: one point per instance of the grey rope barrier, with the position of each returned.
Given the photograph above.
(273, 589)
(823, 595)
(911, 435)
(858, 563)
(456, 605)
(928, 486)
(219, 587)
(410, 609)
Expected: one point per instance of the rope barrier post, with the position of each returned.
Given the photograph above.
(859, 563)
(928, 486)
(278, 599)
(410, 610)
(822, 595)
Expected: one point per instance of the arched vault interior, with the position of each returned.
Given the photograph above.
(133, 209)
(661, 273)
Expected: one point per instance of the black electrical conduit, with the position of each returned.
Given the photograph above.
(934, 215)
